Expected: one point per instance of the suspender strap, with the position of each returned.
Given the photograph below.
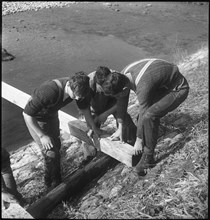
(59, 90)
(143, 70)
(133, 64)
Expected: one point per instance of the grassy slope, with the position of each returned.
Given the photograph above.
(178, 186)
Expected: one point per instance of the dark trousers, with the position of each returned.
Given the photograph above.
(52, 156)
(7, 178)
(151, 119)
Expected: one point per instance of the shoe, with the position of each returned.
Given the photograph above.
(146, 161)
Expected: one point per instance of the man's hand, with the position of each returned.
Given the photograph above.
(117, 136)
(46, 141)
(8, 198)
(138, 146)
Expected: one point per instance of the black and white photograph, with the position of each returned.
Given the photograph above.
(104, 110)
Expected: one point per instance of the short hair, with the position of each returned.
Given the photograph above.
(101, 74)
(79, 84)
(114, 83)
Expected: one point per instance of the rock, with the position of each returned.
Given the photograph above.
(5, 56)
(107, 4)
(149, 5)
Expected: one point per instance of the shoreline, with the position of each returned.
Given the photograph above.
(14, 7)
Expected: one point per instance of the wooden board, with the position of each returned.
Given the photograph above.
(122, 152)
(15, 211)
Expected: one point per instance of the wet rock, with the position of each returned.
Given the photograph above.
(5, 56)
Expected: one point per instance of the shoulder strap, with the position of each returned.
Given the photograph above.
(60, 89)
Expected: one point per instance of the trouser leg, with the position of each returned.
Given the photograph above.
(151, 121)
(8, 181)
(52, 156)
(151, 118)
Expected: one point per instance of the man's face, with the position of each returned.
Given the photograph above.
(123, 93)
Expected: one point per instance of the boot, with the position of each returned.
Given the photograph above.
(146, 161)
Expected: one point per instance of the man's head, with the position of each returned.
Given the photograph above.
(114, 83)
(79, 84)
(101, 74)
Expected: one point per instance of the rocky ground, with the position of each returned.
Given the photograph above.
(176, 188)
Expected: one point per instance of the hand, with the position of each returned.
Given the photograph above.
(46, 142)
(8, 198)
(96, 131)
(138, 146)
(117, 136)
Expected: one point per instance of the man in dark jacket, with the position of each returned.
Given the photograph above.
(160, 88)
(41, 117)
(102, 107)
